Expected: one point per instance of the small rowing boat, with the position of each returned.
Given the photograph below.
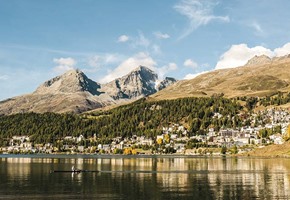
(66, 171)
(73, 170)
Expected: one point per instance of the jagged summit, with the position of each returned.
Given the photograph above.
(285, 58)
(265, 60)
(259, 60)
(71, 81)
(142, 68)
(144, 72)
(165, 83)
(138, 83)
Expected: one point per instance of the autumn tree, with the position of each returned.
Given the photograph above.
(287, 134)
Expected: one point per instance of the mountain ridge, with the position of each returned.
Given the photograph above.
(259, 77)
(74, 92)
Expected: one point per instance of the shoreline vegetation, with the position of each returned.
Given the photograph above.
(269, 151)
(121, 156)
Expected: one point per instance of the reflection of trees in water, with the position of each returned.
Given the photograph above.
(202, 178)
(226, 188)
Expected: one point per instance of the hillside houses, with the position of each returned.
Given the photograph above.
(267, 127)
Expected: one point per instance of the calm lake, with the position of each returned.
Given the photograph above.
(147, 177)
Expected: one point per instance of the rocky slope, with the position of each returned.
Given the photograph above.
(259, 77)
(138, 83)
(259, 60)
(165, 83)
(71, 82)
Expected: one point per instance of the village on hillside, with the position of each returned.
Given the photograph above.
(265, 127)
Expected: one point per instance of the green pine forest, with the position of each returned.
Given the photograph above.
(142, 117)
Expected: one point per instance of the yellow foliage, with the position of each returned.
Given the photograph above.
(127, 151)
(287, 134)
(167, 138)
(159, 141)
(93, 149)
(134, 152)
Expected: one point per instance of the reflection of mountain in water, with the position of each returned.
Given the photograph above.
(147, 178)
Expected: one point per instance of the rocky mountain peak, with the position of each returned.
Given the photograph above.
(138, 83)
(144, 73)
(259, 60)
(70, 82)
(285, 58)
(142, 69)
(165, 83)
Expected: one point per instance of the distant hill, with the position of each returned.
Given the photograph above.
(75, 92)
(261, 76)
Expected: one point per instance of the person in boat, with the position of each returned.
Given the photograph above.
(74, 169)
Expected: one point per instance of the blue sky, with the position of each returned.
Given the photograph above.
(106, 39)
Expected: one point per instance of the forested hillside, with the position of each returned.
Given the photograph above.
(140, 118)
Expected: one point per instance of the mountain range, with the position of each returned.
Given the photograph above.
(75, 92)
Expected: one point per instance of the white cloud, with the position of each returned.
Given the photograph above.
(64, 64)
(198, 12)
(102, 60)
(133, 62)
(94, 61)
(282, 51)
(156, 49)
(65, 61)
(4, 77)
(190, 63)
(191, 76)
(238, 55)
(130, 64)
(160, 35)
(142, 43)
(165, 69)
(123, 38)
(257, 27)
(141, 40)
(62, 68)
(111, 58)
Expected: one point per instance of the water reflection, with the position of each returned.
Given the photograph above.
(146, 178)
